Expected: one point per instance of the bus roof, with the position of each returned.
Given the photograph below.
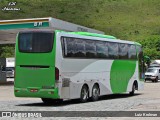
(97, 35)
(94, 35)
(100, 36)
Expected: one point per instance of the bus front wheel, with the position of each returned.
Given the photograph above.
(133, 89)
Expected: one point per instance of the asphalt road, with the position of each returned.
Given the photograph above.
(146, 100)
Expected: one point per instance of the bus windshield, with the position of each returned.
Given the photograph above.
(35, 42)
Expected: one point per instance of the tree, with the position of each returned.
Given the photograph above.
(151, 47)
(6, 51)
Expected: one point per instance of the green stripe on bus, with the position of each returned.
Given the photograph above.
(121, 73)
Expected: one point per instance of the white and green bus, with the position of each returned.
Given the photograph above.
(61, 65)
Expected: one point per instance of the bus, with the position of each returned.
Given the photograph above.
(56, 66)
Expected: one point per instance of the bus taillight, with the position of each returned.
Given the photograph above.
(57, 74)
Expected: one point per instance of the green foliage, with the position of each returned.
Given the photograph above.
(151, 46)
(136, 20)
(6, 51)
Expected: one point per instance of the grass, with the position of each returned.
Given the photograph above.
(126, 19)
(134, 20)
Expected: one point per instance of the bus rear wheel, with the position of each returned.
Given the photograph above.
(95, 92)
(84, 94)
(51, 101)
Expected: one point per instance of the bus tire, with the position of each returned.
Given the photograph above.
(51, 101)
(84, 94)
(95, 92)
(133, 89)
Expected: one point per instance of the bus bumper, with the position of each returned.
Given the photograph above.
(39, 93)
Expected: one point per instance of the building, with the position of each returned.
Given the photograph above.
(10, 28)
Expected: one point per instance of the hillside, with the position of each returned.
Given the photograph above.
(136, 20)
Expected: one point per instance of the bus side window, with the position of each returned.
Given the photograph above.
(69, 47)
(90, 49)
(79, 48)
(123, 51)
(63, 44)
(101, 49)
(113, 50)
(132, 52)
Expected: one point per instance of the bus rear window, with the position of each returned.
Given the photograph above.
(35, 42)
